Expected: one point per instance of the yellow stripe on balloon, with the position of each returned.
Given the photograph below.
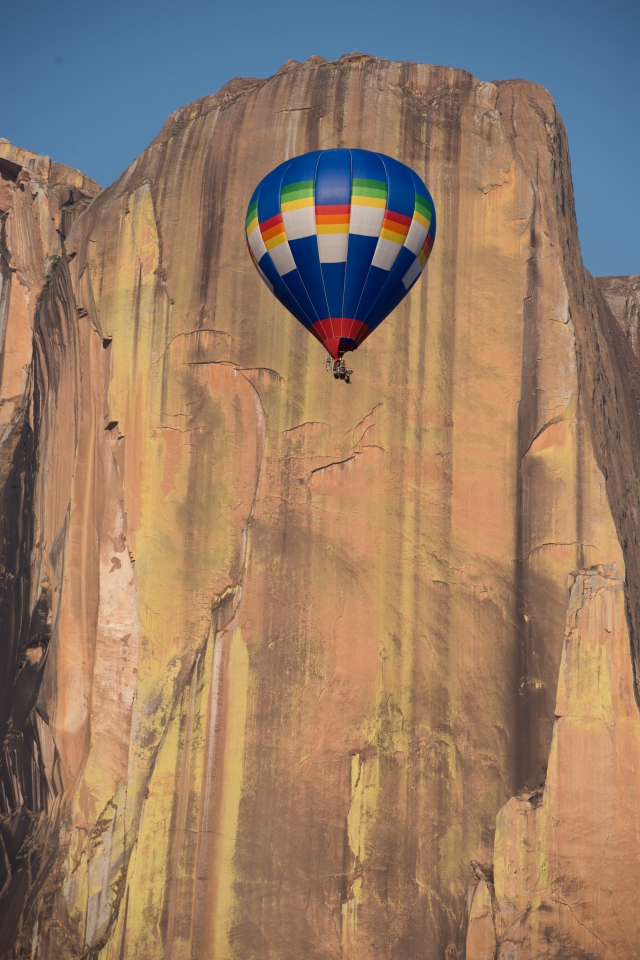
(392, 235)
(298, 204)
(368, 202)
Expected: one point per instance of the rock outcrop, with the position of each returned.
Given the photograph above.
(623, 299)
(39, 201)
(567, 856)
(305, 638)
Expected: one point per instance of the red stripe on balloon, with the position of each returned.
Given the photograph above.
(398, 217)
(271, 222)
(334, 330)
(331, 210)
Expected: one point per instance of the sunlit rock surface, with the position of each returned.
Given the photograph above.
(306, 637)
(567, 855)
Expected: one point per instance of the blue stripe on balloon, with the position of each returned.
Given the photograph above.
(333, 178)
(305, 254)
(269, 199)
(393, 296)
(381, 308)
(254, 195)
(333, 274)
(377, 310)
(281, 290)
(373, 285)
(361, 251)
(418, 185)
(432, 228)
(402, 196)
(367, 166)
(302, 168)
(297, 289)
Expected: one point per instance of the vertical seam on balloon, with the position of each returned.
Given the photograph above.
(285, 233)
(386, 173)
(346, 265)
(315, 182)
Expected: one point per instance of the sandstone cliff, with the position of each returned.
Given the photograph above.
(39, 201)
(306, 638)
(567, 856)
(623, 299)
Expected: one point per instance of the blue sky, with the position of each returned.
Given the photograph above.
(90, 83)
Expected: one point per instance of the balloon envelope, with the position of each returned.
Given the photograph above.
(340, 237)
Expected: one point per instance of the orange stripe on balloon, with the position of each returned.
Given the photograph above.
(398, 218)
(271, 222)
(273, 232)
(394, 227)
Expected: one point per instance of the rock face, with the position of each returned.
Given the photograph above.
(623, 298)
(39, 201)
(573, 844)
(306, 638)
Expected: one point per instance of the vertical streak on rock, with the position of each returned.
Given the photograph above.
(177, 895)
(211, 796)
(5, 285)
(231, 777)
(612, 388)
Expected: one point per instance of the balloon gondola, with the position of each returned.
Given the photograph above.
(340, 237)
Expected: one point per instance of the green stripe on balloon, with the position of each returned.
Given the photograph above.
(424, 207)
(297, 191)
(368, 188)
(252, 213)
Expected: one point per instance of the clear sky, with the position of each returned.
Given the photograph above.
(90, 83)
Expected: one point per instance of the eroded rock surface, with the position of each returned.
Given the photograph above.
(623, 298)
(305, 638)
(39, 200)
(567, 856)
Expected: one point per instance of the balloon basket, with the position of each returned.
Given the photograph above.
(339, 369)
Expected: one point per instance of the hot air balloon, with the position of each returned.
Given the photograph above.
(340, 237)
